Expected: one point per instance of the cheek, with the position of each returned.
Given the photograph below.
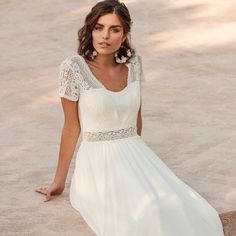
(94, 36)
(117, 39)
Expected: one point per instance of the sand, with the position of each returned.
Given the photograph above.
(189, 54)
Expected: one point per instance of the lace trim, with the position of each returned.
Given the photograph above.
(109, 135)
(68, 84)
(137, 69)
(75, 76)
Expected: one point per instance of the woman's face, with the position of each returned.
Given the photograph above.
(108, 34)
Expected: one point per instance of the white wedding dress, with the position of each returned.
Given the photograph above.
(119, 185)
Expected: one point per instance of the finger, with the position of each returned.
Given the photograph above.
(38, 189)
(48, 196)
(47, 199)
(41, 190)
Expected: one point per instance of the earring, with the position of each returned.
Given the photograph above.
(91, 55)
(123, 58)
(94, 54)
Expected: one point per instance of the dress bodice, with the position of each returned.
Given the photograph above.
(100, 109)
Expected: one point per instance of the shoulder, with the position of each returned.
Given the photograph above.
(137, 68)
(136, 60)
(72, 61)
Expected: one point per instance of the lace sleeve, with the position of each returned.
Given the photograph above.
(138, 73)
(140, 70)
(68, 86)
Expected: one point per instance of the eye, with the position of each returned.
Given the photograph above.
(98, 28)
(115, 30)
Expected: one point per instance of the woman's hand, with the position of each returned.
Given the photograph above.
(53, 189)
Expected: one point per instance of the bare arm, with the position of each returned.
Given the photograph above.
(139, 122)
(69, 138)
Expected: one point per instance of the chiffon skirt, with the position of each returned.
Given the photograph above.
(122, 188)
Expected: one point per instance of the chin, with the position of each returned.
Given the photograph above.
(105, 52)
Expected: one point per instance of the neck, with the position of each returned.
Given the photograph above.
(104, 61)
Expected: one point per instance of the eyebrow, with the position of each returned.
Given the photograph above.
(112, 26)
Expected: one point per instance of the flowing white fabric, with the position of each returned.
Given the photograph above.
(119, 185)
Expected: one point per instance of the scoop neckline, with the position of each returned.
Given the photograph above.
(100, 83)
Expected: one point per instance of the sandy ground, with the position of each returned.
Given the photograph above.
(189, 54)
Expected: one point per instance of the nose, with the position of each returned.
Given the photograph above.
(106, 34)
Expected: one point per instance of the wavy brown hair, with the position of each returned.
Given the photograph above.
(86, 48)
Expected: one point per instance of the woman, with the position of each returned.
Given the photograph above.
(119, 185)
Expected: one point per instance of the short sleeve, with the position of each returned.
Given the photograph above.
(138, 73)
(68, 84)
(140, 69)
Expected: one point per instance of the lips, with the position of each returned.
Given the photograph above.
(105, 44)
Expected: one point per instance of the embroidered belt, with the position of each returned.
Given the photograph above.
(110, 135)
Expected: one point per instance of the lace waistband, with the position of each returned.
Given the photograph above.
(110, 135)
